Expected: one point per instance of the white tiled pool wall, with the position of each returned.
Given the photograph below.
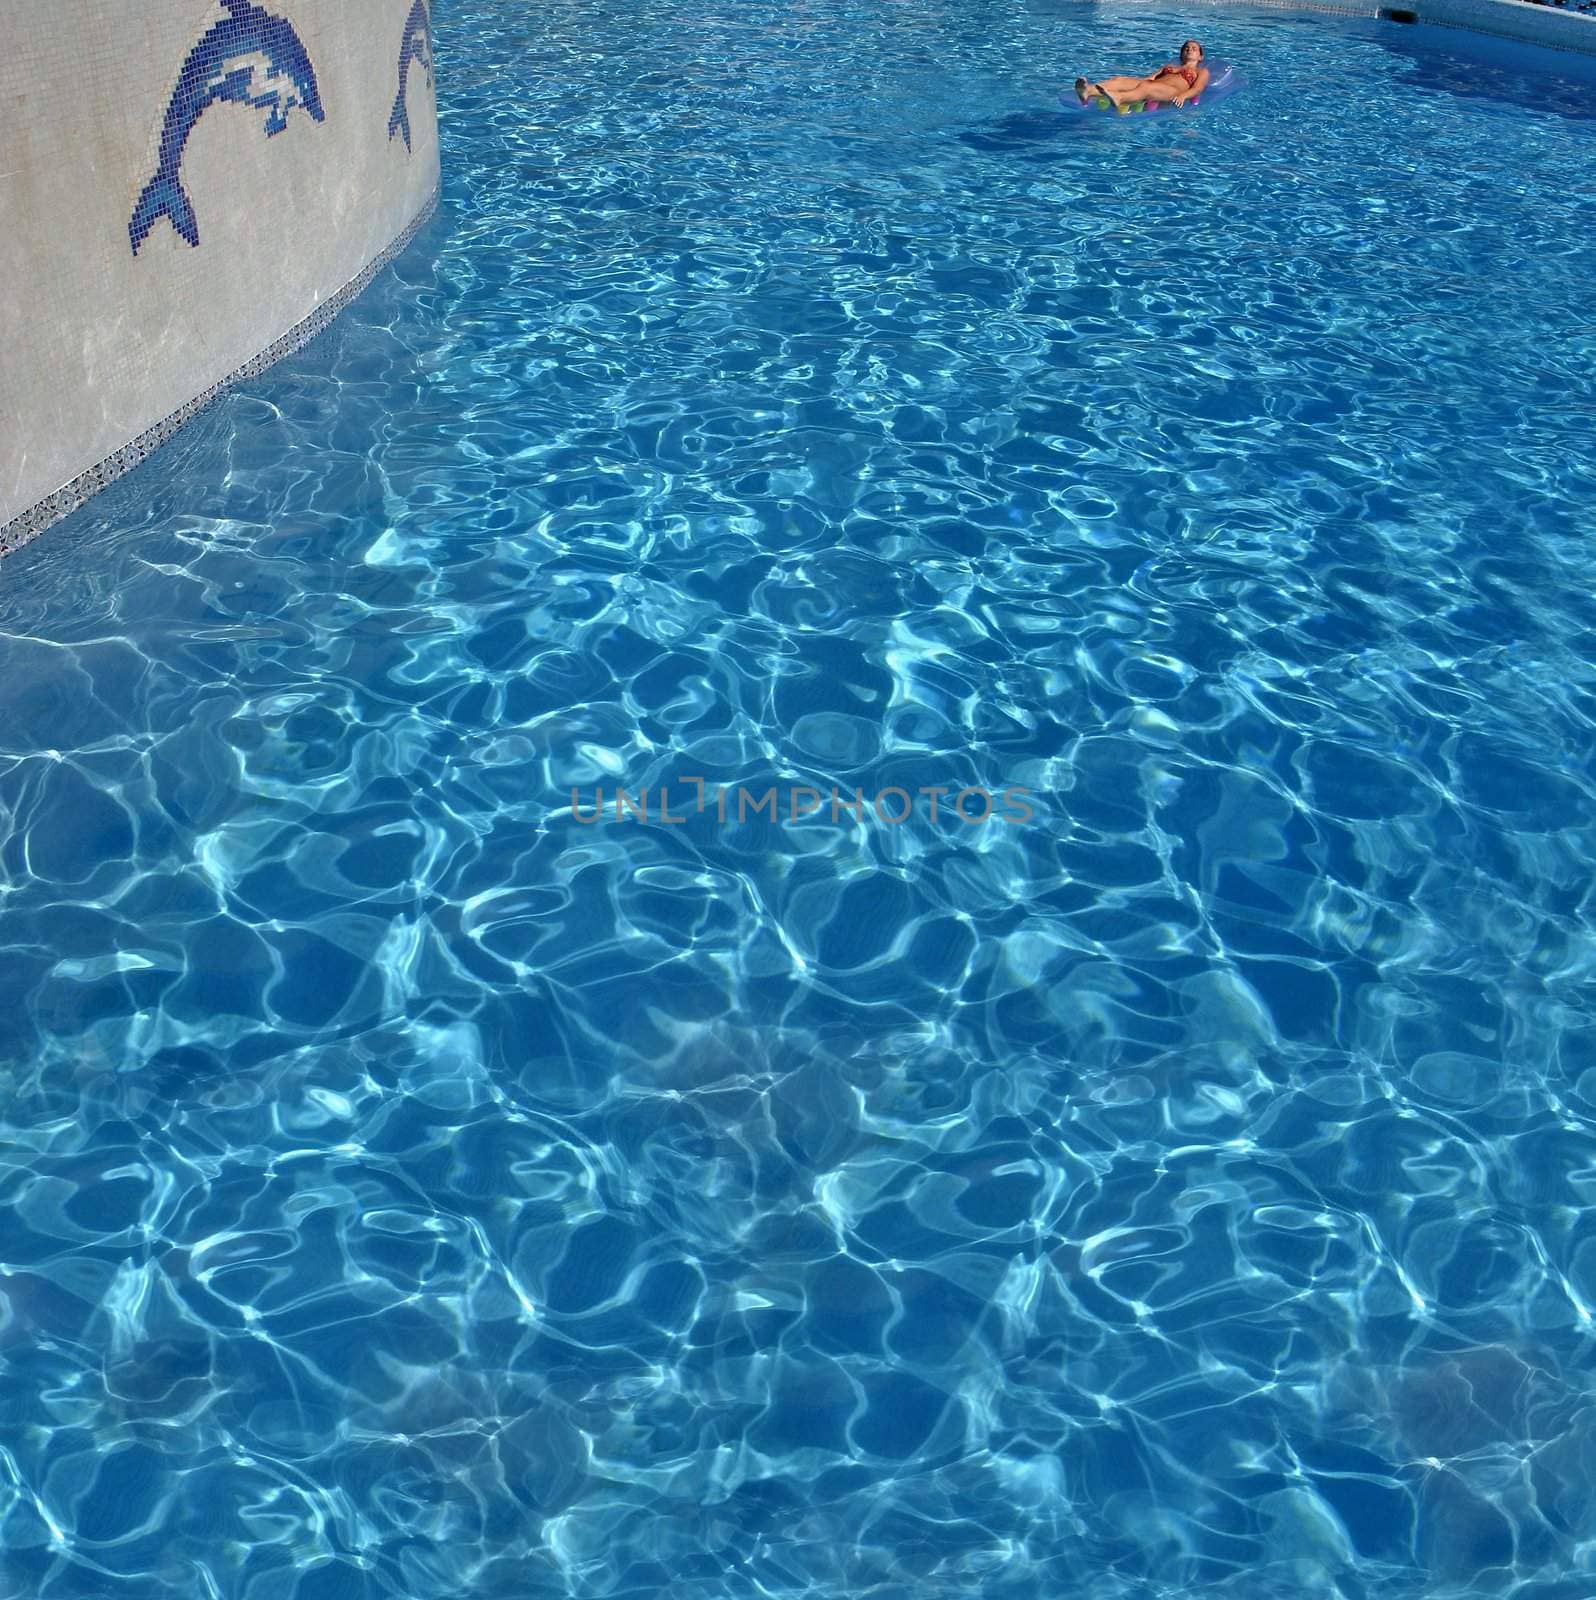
(1509, 19)
(1545, 25)
(189, 190)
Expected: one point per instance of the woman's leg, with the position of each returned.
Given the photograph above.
(1161, 89)
(1085, 88)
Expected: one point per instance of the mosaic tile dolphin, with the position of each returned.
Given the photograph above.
(417, 46)
(223, 67)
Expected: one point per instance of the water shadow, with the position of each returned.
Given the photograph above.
(1020, 131)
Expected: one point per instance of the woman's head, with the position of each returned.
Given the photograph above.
(1191, 52)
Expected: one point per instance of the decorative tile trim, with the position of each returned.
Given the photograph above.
(1514, 37)
(50, 510)
(417, 46)
(1549, 27)
(1313, 5)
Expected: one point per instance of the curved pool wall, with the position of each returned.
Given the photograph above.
(192, 189)
(1552, 27)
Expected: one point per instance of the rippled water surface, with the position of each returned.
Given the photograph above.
(412, 1188)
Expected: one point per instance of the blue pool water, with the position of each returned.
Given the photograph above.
(413, 1189)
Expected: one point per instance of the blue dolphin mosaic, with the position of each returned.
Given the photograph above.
(417, 46)
(225, 67)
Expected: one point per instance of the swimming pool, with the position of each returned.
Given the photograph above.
(422, 1182)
